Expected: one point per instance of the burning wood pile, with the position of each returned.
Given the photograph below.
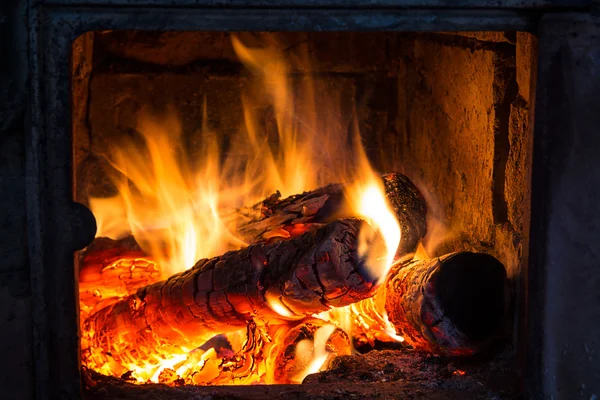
(186, 285)
(308, 258)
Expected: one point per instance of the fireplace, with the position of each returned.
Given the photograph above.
(176, 134)
(443, 96)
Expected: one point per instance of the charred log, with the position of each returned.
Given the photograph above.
(453, 305)
(410, 208)
(289, 217)
(282, 280)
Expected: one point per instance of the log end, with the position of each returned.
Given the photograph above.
(472, 289)
(453, 305)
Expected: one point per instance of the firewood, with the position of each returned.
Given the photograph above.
(112, 263)
(453, 305)
(290, 217)
(111, 269)
(263, 282)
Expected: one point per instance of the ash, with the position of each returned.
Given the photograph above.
(379, 374)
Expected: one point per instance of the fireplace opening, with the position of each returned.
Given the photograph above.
(287, 208)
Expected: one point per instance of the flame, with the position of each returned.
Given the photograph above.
(181, 208)
(373, 207)
(365, 320)
(171, 212)
(316, 351)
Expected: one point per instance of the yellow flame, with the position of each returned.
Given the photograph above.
(421, 254)
(179, 207)
(317, 351)
(389, 329)
(374, 208)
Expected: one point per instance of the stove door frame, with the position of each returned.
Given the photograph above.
(57, 226)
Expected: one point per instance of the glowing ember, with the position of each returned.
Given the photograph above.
(181, 210)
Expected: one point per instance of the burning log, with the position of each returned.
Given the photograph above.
(283, 280)
(452, 305)
(116, 263)
(289, 217)
(111, 269)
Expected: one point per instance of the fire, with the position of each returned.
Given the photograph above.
(373, 207)
(181, 209)
(316, 351)
(366, 320)
(171, 211)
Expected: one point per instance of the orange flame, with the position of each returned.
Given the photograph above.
(179, 209)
